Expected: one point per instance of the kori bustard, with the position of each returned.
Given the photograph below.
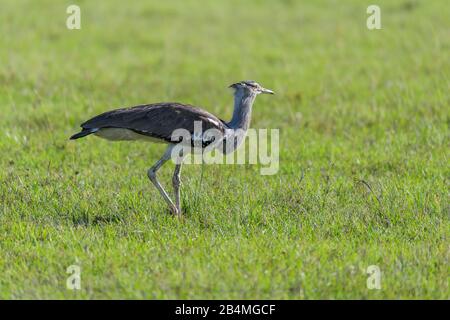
(157, 122)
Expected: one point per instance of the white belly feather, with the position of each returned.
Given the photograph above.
(118, 134)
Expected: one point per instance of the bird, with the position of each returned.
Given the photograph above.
(158, 121)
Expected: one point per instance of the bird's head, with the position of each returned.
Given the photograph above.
(250, 86)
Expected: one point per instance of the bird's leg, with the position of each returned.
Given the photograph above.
(176, 180)
(152, 176)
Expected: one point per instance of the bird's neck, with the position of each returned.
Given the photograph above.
(243, 102)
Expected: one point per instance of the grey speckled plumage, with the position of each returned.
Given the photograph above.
(157, 122)
(153, 120)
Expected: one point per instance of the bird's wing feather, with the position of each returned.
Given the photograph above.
(156, 120)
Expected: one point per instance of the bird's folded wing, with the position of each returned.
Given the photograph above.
(157, 120)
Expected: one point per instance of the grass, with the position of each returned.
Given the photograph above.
(363, 178)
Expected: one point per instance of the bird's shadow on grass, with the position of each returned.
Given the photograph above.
(190, 208)
(87, 220)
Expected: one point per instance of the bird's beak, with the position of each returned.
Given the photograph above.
(264, 90)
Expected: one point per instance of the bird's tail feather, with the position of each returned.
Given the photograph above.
(83, 133)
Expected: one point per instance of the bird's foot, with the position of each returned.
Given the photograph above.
(175, 211)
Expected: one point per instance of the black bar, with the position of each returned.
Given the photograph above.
(224, 309)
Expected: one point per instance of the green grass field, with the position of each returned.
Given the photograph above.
(363, 178)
